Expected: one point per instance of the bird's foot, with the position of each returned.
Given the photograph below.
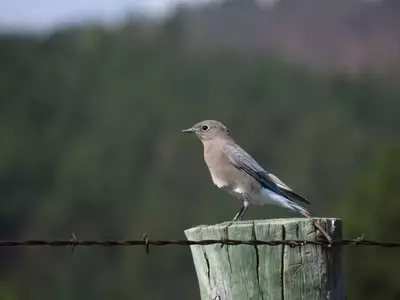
(238, 216)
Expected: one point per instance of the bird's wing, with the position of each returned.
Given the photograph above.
(279, 182)
(243, 161)
(287, 190)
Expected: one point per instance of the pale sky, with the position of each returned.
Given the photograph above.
(45, 14)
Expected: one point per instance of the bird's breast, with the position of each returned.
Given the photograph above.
(219, 181)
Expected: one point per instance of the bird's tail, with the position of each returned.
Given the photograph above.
(294, 206)
(286, 202)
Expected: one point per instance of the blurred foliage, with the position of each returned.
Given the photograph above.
(375, 198)
(90, 138)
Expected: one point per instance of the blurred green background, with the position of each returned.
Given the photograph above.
(90, 142)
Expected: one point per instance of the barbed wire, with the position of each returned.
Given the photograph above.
(74, 242)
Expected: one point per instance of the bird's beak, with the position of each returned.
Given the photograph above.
(189, 130)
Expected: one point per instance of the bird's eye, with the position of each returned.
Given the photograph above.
(205, 127)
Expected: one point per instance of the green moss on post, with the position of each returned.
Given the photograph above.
(242, 272)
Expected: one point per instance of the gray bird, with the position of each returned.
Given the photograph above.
(235, 171)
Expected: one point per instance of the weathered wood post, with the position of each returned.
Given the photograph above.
(309, 272)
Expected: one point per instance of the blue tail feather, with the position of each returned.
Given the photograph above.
(284, 201)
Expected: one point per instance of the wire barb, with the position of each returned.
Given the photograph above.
(74, 242)
(359, 240)
(146, 242)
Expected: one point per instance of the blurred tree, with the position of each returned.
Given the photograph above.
(90, 122)
(372, 208)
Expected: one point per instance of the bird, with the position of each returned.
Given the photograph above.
(232, 169)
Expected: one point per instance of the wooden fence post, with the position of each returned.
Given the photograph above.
(309, 272)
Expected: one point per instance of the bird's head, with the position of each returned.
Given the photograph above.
(208, 130)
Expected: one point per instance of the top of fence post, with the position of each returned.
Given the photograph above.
(239, 272)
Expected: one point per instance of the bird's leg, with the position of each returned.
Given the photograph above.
(238, 215)
(242, 211)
